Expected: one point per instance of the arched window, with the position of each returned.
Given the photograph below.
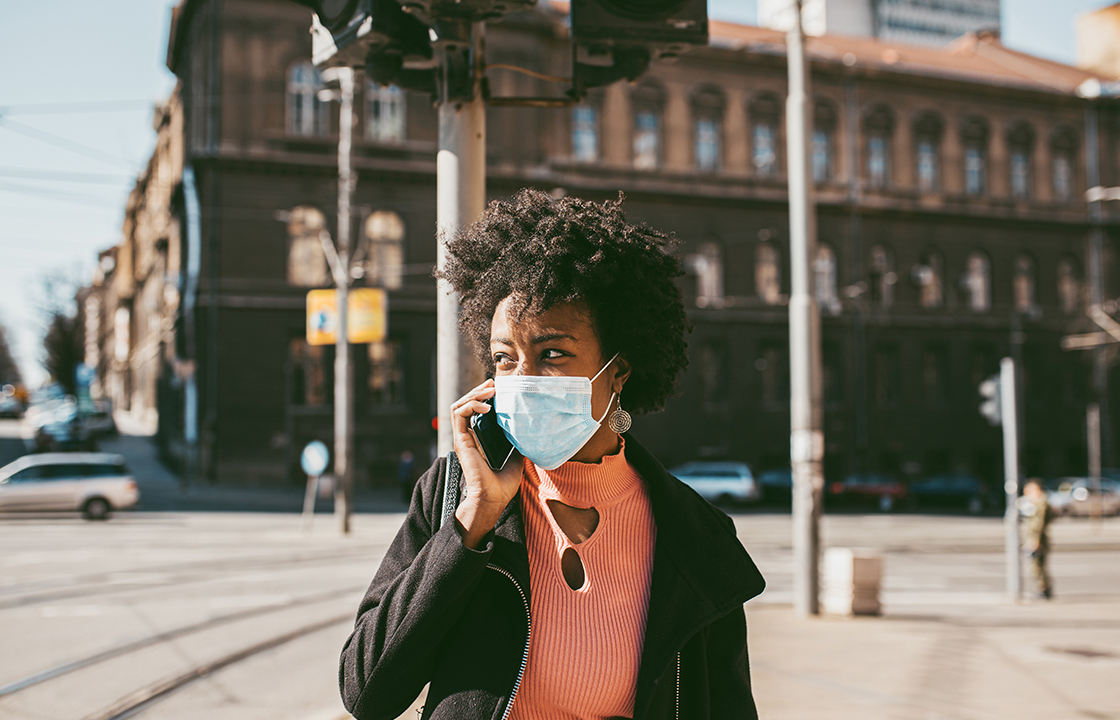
(648, 99)
(929, 276)
(927, 131)
(824, 126)
(707, 114)
(879, 127)
(1020, 140)
(1062, 147)
(882, 277)
(385, 258)
(978, 282)
(974, 134)
(1069, 285)
(307, 115)
(1025, 299)
(585, 133)
(307, 266)
(767, 273)
(765, 115)
(385, 113)
(708, 267)
(824, 274)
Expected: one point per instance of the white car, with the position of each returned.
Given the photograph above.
(1074, 496)
(94, 483)
(720, 481)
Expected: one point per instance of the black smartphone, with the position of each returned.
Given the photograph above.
(491, 438)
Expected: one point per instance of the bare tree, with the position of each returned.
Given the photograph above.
(9, 371)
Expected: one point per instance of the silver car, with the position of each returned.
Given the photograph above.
(720, 481)
(95, 484)
(1074, 496)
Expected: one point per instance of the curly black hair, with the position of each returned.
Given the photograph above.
(542, 251)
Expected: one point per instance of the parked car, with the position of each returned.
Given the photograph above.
(10, 407)
(720, 482)
(94, 484)
(954, 490)
(1075, 496)
(777, 486)
(882, 490)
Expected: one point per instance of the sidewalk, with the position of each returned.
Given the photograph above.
(1049, 661)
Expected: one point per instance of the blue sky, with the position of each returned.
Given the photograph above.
(76, 94)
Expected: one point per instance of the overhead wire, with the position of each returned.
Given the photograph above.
(73, 146)
(61, 176)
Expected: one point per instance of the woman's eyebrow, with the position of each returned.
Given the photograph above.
(549, 337)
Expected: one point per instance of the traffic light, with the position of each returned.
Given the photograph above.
(990, 408)
(615, 39)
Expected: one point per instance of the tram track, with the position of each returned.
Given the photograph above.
(135, 645)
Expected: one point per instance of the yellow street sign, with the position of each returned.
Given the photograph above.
(365, 318)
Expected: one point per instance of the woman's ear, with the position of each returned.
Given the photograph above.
(621, 374)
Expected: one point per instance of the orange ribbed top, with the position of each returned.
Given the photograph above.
(586, 644)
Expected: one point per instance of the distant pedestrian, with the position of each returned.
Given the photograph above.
(404, 474)
(1038, 536)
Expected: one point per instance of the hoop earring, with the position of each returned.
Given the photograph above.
(620, 420)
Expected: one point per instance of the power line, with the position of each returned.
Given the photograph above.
(58, 176)
(79, 198)
(64, 143)
(89, 106)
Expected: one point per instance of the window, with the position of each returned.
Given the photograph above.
(585, 134)
(708, 268)
(707, 113)
(1025, 284)
(975, 136)
(928, 130)
(1062, 147)
(767, 273)
(882, 277)
(885, 379)
(385, 261)
(879, 127)
(307, 115)
(31, 474)
(929, 277)
(978, 282)
(824, 272)
(386, 373)
(934, 377)
(824, 125)
(1069, 287)
(385, 113)
(714, 375)
(765, 114)
(648, 100)
(307, 266)
(773, 367)
(1021, 141)
(308, 381)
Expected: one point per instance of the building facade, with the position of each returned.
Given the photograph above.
(934, 23)
(952, 225)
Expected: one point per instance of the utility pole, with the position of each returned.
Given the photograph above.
(340, 268)
(806, 435)
(460, 197)
(1009, 416)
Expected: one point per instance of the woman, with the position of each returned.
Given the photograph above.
(580, 580)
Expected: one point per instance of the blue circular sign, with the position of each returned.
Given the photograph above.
(315, 458)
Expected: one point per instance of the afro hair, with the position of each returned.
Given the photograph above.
(541, 251)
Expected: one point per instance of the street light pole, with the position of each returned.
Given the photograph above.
(806, 435)
(460, 200)
(343, 383)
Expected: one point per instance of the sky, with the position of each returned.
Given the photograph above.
(76, 98)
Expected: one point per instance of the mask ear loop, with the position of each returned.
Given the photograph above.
(613, 394)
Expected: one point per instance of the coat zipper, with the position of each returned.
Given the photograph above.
(528, 635)
(678, 686)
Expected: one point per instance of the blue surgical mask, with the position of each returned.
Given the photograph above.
(547, 417)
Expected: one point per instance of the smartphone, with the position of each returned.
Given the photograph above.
(491, 438)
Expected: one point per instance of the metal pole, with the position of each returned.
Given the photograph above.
(1096, 271)
(343, 400)
(806, 436)
(1010, 419)
(460, 200)
(1093, 430)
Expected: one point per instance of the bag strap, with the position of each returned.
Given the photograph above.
(452, 474)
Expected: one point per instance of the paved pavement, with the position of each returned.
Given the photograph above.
(948, 644)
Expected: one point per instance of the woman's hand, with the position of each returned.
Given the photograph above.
(486, 493)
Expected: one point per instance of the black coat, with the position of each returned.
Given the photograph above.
(458, 618)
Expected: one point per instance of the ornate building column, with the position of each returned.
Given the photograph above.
(618, 121)
(678, 136)
(737, 153)
(952, 157)
(998, 169)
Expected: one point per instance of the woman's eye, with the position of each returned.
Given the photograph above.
(502, 359)
(552, 355)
